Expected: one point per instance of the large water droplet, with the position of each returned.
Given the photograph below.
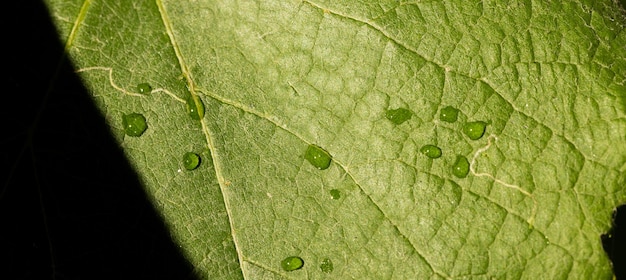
(191, 160)
(460, 168)
(431, 151)
(326, 265)
(317, 157)
(292, 263)
(144, 88)
(398, 116)
(474, 130)
(335, 194)
(134, 124)
(195, 109)
(449, 114)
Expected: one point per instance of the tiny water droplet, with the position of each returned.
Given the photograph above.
(449, 114)
(191, 160)
(195, 109)
(144, 88)
(460, 167)
(474, 130)
(326, 265)
(398, 116)
(134, 124)
(431, 151)
(335, 194)
(317, 157)
(292, 263)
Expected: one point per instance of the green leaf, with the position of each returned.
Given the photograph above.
(549, 77)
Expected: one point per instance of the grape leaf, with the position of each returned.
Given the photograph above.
(275, 77)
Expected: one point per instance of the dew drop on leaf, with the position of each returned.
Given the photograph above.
(292, 263)
(144, 88)
(191, 160)
(335, 194)
(317, 157)
(195, 109)
(398, 116)
(134, 124)
(431, 151)
(460, 167)
(474, 130)
(326, 265)
(449, 114)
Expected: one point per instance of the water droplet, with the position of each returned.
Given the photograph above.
(317, 157)
(449, 114)
(292, 263)
(475, 130)
(195, 109)
(335, 194)
(431, 151)
(460, 167)
(134, 124)
(398, 116)
(326, 265)
(191, 160)
(144, 88)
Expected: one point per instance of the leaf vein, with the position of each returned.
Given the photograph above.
(192, 89)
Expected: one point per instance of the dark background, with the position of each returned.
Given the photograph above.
(71, 207)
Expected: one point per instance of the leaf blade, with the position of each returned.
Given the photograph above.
(279, 76)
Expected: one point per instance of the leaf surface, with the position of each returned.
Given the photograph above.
(278, 76)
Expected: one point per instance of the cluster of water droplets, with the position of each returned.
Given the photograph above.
(473, 130)
(135, 124)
